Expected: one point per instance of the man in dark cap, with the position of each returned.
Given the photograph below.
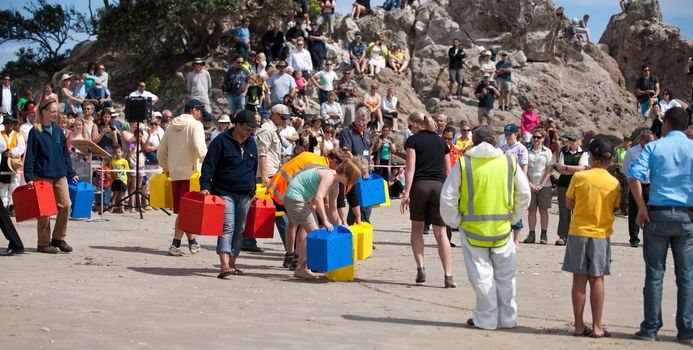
(228, 171)
(180, 155)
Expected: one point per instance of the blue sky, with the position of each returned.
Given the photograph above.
(676, 12)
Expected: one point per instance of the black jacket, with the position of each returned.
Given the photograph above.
(456, 60)
(15, 100)
(230, 167)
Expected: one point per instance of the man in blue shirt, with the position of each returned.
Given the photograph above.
(668, 220)
(241, 35)
(235, 85)
(504, 69)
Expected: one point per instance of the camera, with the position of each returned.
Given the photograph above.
(112, 127)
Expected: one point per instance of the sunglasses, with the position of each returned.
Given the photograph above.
(467, 130)
(537, 137)
(239, 62)
(154, 123)
(448, 139)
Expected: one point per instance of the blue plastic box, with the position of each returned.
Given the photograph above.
(329, 251)
(82, 197)
(371, 191)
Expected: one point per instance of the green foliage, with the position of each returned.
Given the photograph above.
(314, 9)
(154, 84)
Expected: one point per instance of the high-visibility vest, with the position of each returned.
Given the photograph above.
(302, 162)
(10, 144)
(620, 155)
(486, 199)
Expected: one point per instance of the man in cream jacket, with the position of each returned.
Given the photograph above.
(492, 193)
(180, 154)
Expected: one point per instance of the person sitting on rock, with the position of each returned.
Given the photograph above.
(359, 8)
(573, 33)
(376, 52)
(396, 59)
(357, 54)
(296, 32)
(582, 27)
(624, 5)
(392, 4)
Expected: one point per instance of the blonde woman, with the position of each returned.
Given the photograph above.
(47, 159)
(426, 169)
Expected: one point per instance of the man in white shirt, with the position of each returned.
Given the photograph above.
(632, 154)
(8, 98)
(141, 92)
(199, 83)
(299, 58)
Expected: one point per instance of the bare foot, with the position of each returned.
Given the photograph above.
(305, 274)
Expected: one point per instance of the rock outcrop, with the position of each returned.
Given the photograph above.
(584, 89)
(640, 37)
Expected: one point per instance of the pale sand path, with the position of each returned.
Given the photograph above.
(119, 290)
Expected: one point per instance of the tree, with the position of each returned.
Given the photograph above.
(47, 26)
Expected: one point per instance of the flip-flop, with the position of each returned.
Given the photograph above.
(237, 272)
(606, 334)
(225, 274)
(585, 332)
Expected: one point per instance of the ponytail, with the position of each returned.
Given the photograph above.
(424, 121)
(429, 124)
(38, 118)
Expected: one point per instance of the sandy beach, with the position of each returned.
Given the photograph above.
(119, 290)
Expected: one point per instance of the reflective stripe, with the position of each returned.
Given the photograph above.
(470, 185)
(285, 175)
(491, 217)
(510, 180)
(476, 237)
(275, 192)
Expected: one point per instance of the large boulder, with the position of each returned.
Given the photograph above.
(640, 37)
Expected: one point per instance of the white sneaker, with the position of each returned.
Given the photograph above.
(173, 251)
(194, 248)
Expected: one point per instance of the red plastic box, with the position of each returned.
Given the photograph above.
(260, 222)
(34, 202)
(201, 215)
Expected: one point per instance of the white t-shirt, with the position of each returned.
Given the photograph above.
(287, 146)
(387, 106)
(144, 94)
(6, 100)
(326, 79)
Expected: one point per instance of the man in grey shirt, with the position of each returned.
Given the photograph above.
(280, 84)
(199, 83)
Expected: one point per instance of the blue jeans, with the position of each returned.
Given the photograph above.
(281, 222)
(392, 4)
(365, 215)
(236, 209)
(236, 103)
(675, 228)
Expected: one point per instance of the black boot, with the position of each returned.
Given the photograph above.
(62, 245)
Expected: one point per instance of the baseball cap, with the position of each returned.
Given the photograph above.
(573, 135)
(600, 146)
(510, 129)
(282, 110)
(199, 60)
(357, 34)
(207, 116)
(194, 103)
(245, 116)
(8, 118)
(486, 75)
(626, 138)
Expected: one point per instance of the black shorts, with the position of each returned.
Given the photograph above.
(119, 186)
(425, 202)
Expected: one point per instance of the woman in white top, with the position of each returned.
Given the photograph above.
(389, 108)
(667, 102)
(487, 66)
(331, 110)
(258, 67)
(376, 57)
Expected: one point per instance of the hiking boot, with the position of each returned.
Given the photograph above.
(175, 251)
(560, 242)
(530, 238)
(62, 245)
(194, 247)
(48, 249)
(544, 239)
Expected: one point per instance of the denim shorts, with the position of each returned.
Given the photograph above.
(517, 226)
(587, 256)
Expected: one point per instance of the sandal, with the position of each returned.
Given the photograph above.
(225, 274)
(606, 334)
(420, 275)
(237, 272)
(585, 332)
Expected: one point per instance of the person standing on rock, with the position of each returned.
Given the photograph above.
(632, 154)
(646, 89)
(235, 84)
(241, 36)
(483, 195)
(199, 83)
(180, 155)
(667, 219)
(504, 70)
(347, 89)
(456, 66)
(571, 159)
(486, 93)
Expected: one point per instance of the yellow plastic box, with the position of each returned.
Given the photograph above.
(160, 191)
(387, 196)
(195, 182)
(364, 237)
(345, 273)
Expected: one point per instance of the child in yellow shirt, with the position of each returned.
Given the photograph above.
(592, 196)
(120, 180)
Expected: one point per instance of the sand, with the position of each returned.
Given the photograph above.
(119, 290)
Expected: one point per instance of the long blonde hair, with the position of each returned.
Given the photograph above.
(426, 122)
(351, 170)
(38, 118)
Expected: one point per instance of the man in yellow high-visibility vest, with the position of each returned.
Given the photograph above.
(485, 192)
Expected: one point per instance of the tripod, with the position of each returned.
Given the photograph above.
(138, 187)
